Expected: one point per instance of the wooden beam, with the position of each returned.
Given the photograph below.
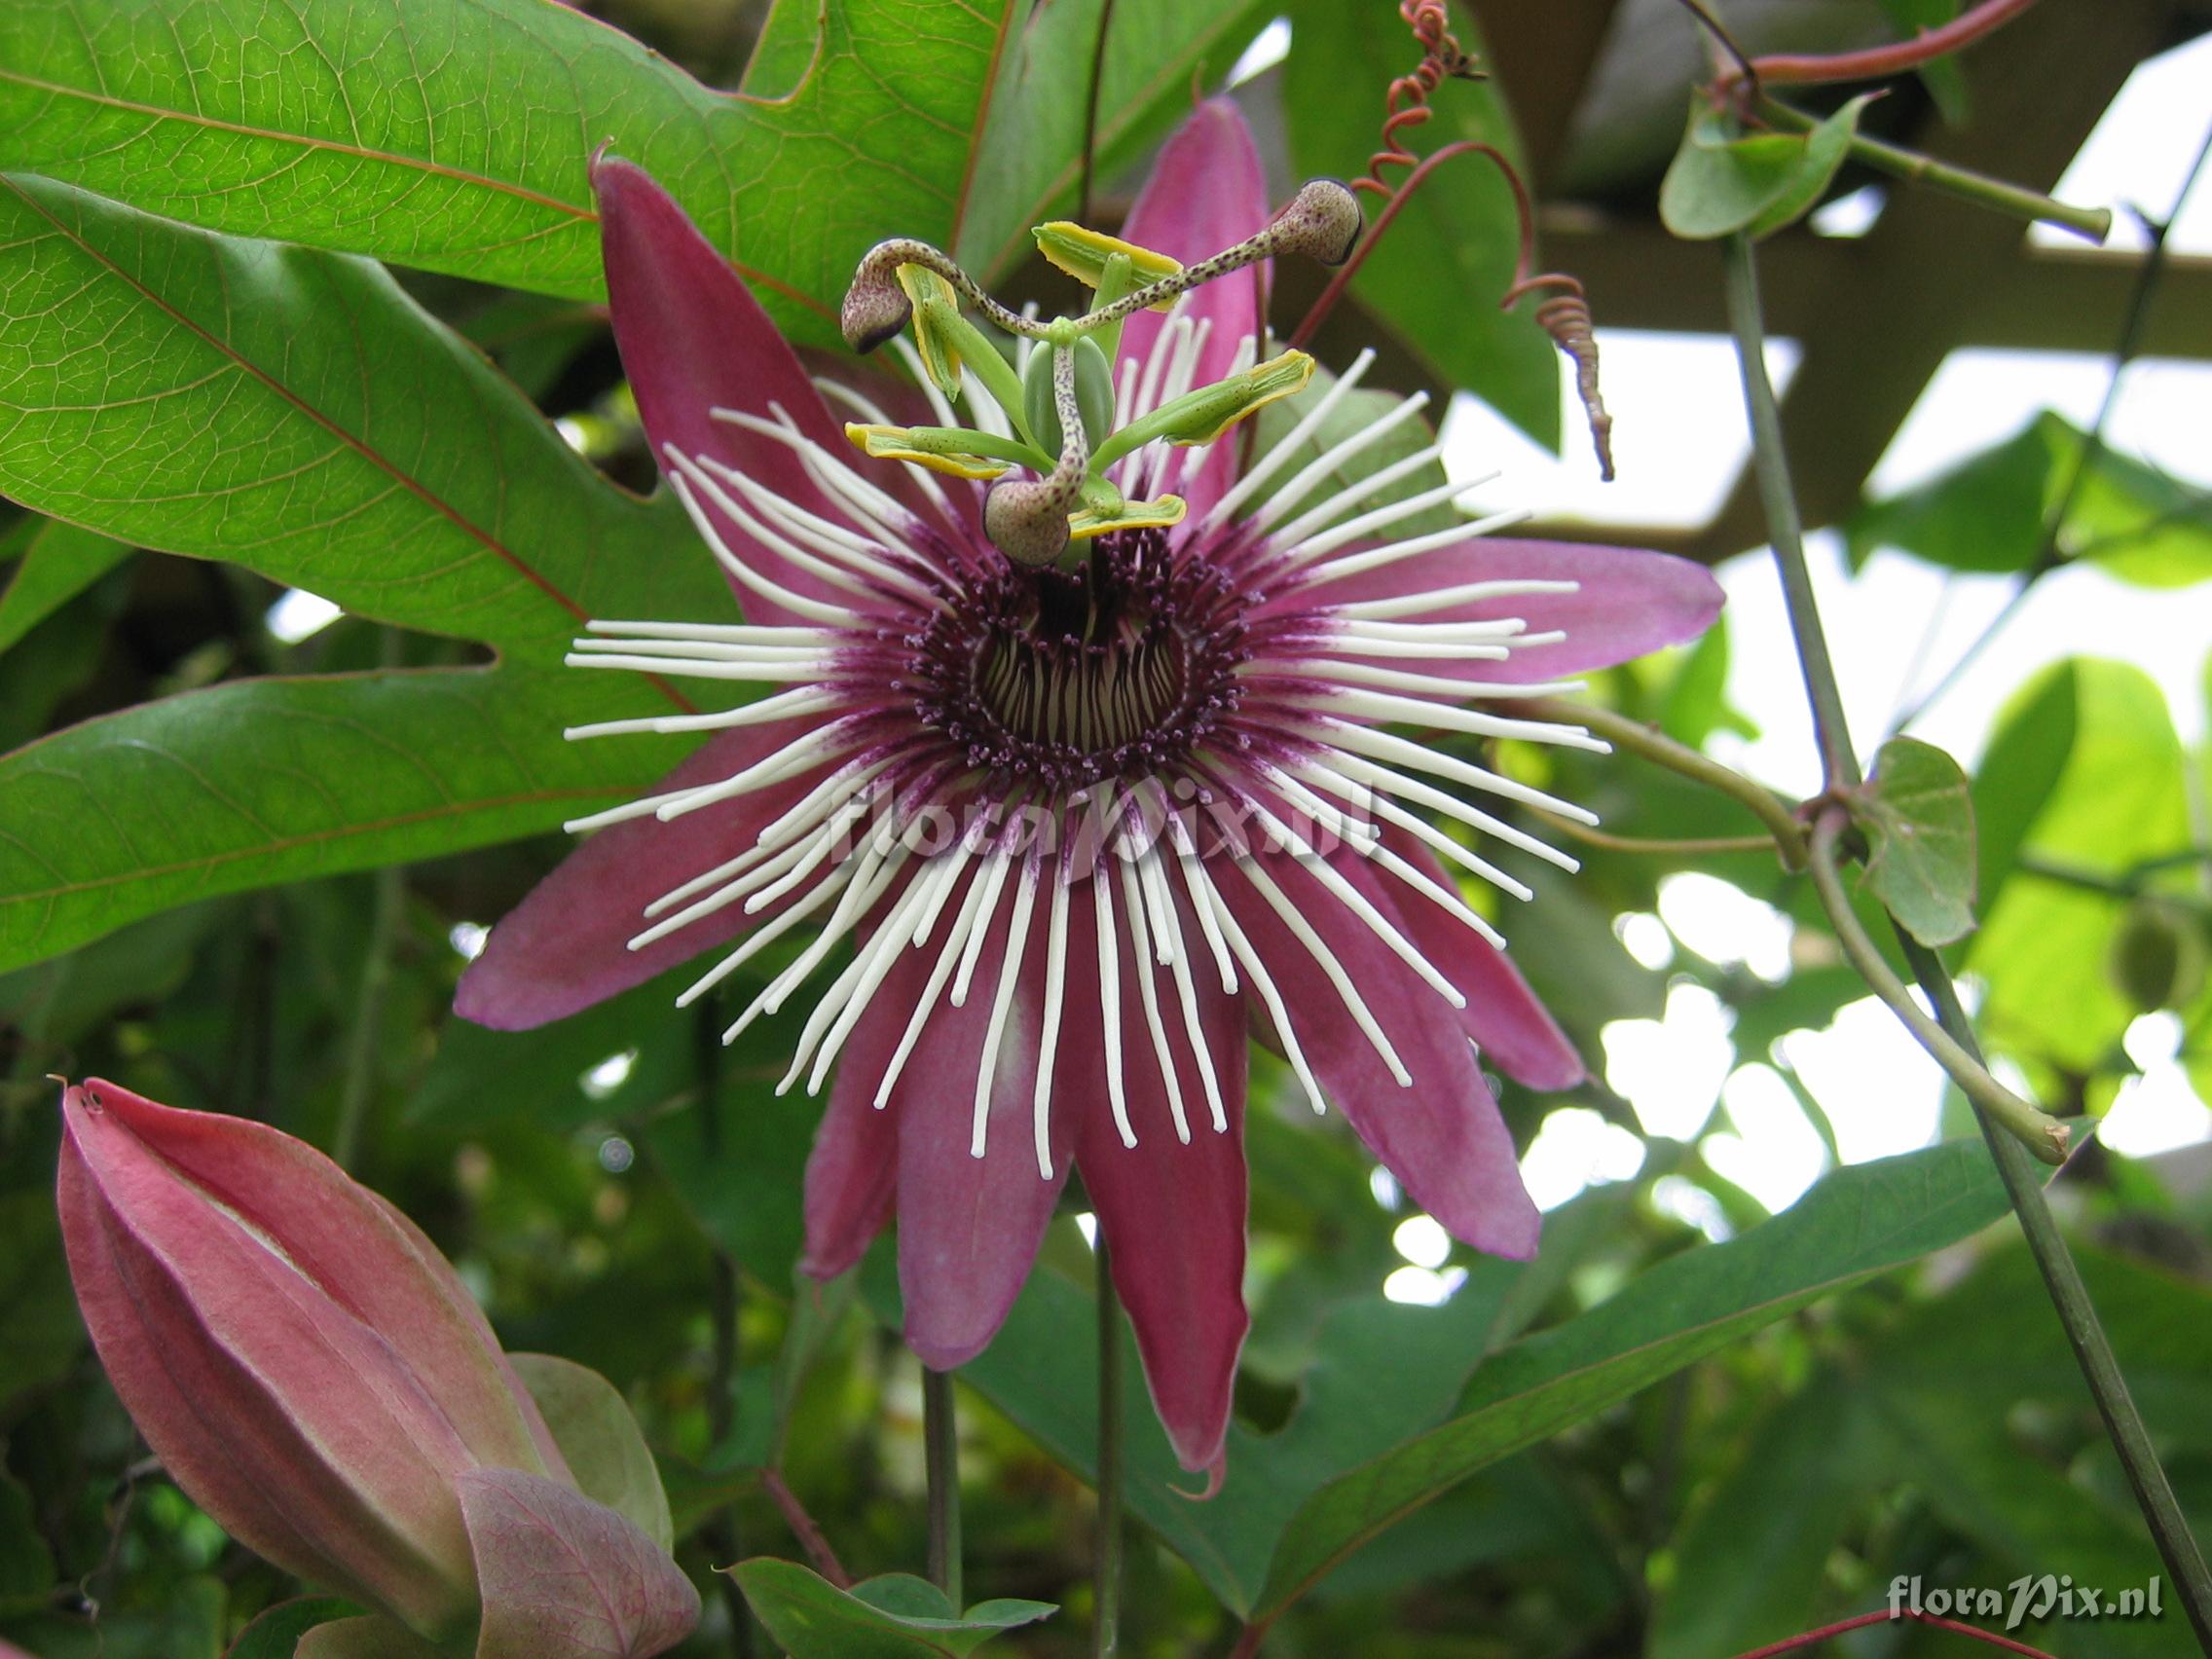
(2050, 299)
(1884, 317)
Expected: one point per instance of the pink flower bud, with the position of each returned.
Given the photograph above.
(303, 1362)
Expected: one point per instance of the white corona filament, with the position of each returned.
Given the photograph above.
(1320, 683)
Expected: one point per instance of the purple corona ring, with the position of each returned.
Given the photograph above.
(1088, 780)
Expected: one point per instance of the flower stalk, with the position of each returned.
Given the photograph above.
(2077, 1314)
(1106, 1628)
(940, 1452)
(1634, 736)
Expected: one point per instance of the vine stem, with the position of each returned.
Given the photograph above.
(2092, 224)
(2042, 1133)
(1796, 1643)
(1895, 58)
(940, 1446)
(1106, 1628)
(2062, 1279)
(1785, 530)
(2023, 1183)
(1618, 729)
(387, 909)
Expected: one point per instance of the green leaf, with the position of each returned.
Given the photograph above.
(1918, 819)
(1696, 700)
(1360, 408)
(55, 562)
(480, 1077)
(593, 1426)
(265, 781)
(2025, 759)
(1991, 511)
(1933, 1402)
(739, 1161)
(26, 1565)
(892, 1617)
(1854, 1223)
(38, 1307)
(1437, 276)
(58, 658)
(1028, 165)
(277, 1632)
(60, 1000)
(1749, 1563)
(458, 137)
(296, 413)
(2043, 948)
(533, 337)
(1719, 185)
(1041, 1372)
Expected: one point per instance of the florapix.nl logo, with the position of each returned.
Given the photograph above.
(2030, 1599)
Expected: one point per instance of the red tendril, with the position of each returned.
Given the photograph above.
(1406, 104)
(1566, 315)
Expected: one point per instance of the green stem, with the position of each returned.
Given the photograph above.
(1785, 529)
(979, 354)
(2108, 1384)
(2022, 1184)
(2043, 1135)
(1106, 1629)
(386, 909)
(940, 1446)
(2010, 200)
(1655, 746)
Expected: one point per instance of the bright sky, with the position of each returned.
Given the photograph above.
(1682, 436)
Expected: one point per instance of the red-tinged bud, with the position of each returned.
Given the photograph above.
(303, 1362)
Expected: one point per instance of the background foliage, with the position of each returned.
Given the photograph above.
(288, 291)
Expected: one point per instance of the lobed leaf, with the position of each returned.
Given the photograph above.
(1028, 161)
(296, 413)
(456, 134)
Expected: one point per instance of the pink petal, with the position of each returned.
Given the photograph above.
(1206, 191)
(1629, 602)
(568, 1578)
(693, 339)
(1515, 1032)
(852, 1175)
(565, 946)
(1173, 1215)
(1442, 1137)
(969, 1227)
(300, 1427)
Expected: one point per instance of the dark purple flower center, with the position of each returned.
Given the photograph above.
(1064, 678)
